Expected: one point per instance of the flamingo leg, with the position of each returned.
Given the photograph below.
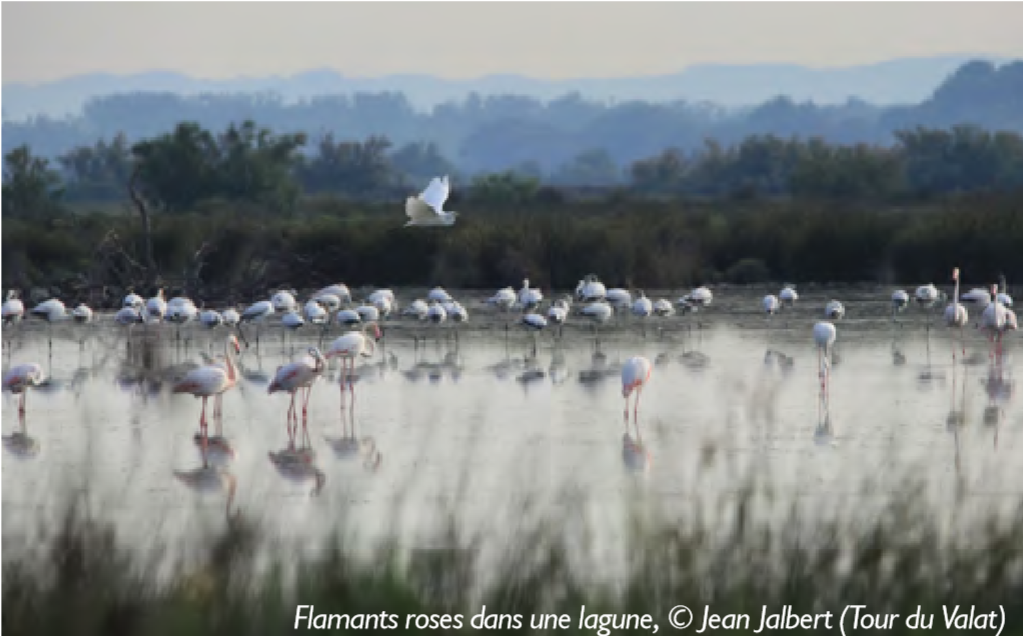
(635, 407)
(305, 404)
(21, 401)
(202, 428)
(625, 413)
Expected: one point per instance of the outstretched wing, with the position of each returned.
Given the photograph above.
(436, 194)
(419, 213)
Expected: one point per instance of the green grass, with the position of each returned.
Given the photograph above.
(87, 583)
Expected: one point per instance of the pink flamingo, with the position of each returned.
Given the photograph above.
(348, 347)
(295, 377)
(957, 316)
(994, 321)
(635, 374)
(21, 378)
(211, 380)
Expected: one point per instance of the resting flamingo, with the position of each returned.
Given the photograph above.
(296, 376)
(635, 374)
(211, 380)
(957, 316)
(18, 380)
(349, 346)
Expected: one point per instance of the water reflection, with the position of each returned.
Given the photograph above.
(297, 464)
(208, 479)
(19, 443)
(349, 446)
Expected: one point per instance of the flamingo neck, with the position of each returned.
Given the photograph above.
(232, 374)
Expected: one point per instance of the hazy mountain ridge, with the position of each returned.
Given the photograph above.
(513, 131)
(898, 81)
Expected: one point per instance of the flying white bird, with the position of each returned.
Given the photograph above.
(428, 208)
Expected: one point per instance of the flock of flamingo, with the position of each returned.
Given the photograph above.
(334, 305)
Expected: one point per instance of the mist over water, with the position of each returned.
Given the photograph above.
(499, 437)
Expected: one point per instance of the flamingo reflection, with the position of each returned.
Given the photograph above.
(297, 464)
(1000, 390)
(635, 455)
(19, 443)
(350, 446)
(210, 480)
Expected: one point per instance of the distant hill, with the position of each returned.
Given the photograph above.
(898, 81)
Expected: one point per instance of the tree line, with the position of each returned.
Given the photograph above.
(180, 170)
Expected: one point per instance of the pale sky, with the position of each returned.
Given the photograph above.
(49, 40)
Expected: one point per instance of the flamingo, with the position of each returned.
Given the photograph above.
(834, 310)
(51, 311)
(384, 300)
(899, 301)
(635, 374)
(211, 380)
(231, 317)
(926, 297)
(701, 297)
(824, 334)
(210, 319)
(642, 308)
(348, 317)
(590, 289)
(133, 300)
(557, 314)
(1003, 296)
(770, 304)
(296, 376)
(788, 296)
(338, 290)
(284, 301)
(349, 346)
(368, 313)
(993, 321)
(439, 294)
(534, 322)
(13, 308)
(598, 313)
(19, 379)
(331, 302)
(504, 299)
(957, 316)
(256, 313)
(529, 297)
(618, 298)
(156, 307)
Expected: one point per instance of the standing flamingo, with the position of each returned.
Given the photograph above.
(18, 380)
(635, 374)
(296, 376)
(211, 380)
(993, 321)
(957, 316)
(348, 347)
(824, 334)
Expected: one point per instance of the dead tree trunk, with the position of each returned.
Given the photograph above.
(147, 230)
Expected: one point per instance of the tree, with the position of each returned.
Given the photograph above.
(30, 187)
